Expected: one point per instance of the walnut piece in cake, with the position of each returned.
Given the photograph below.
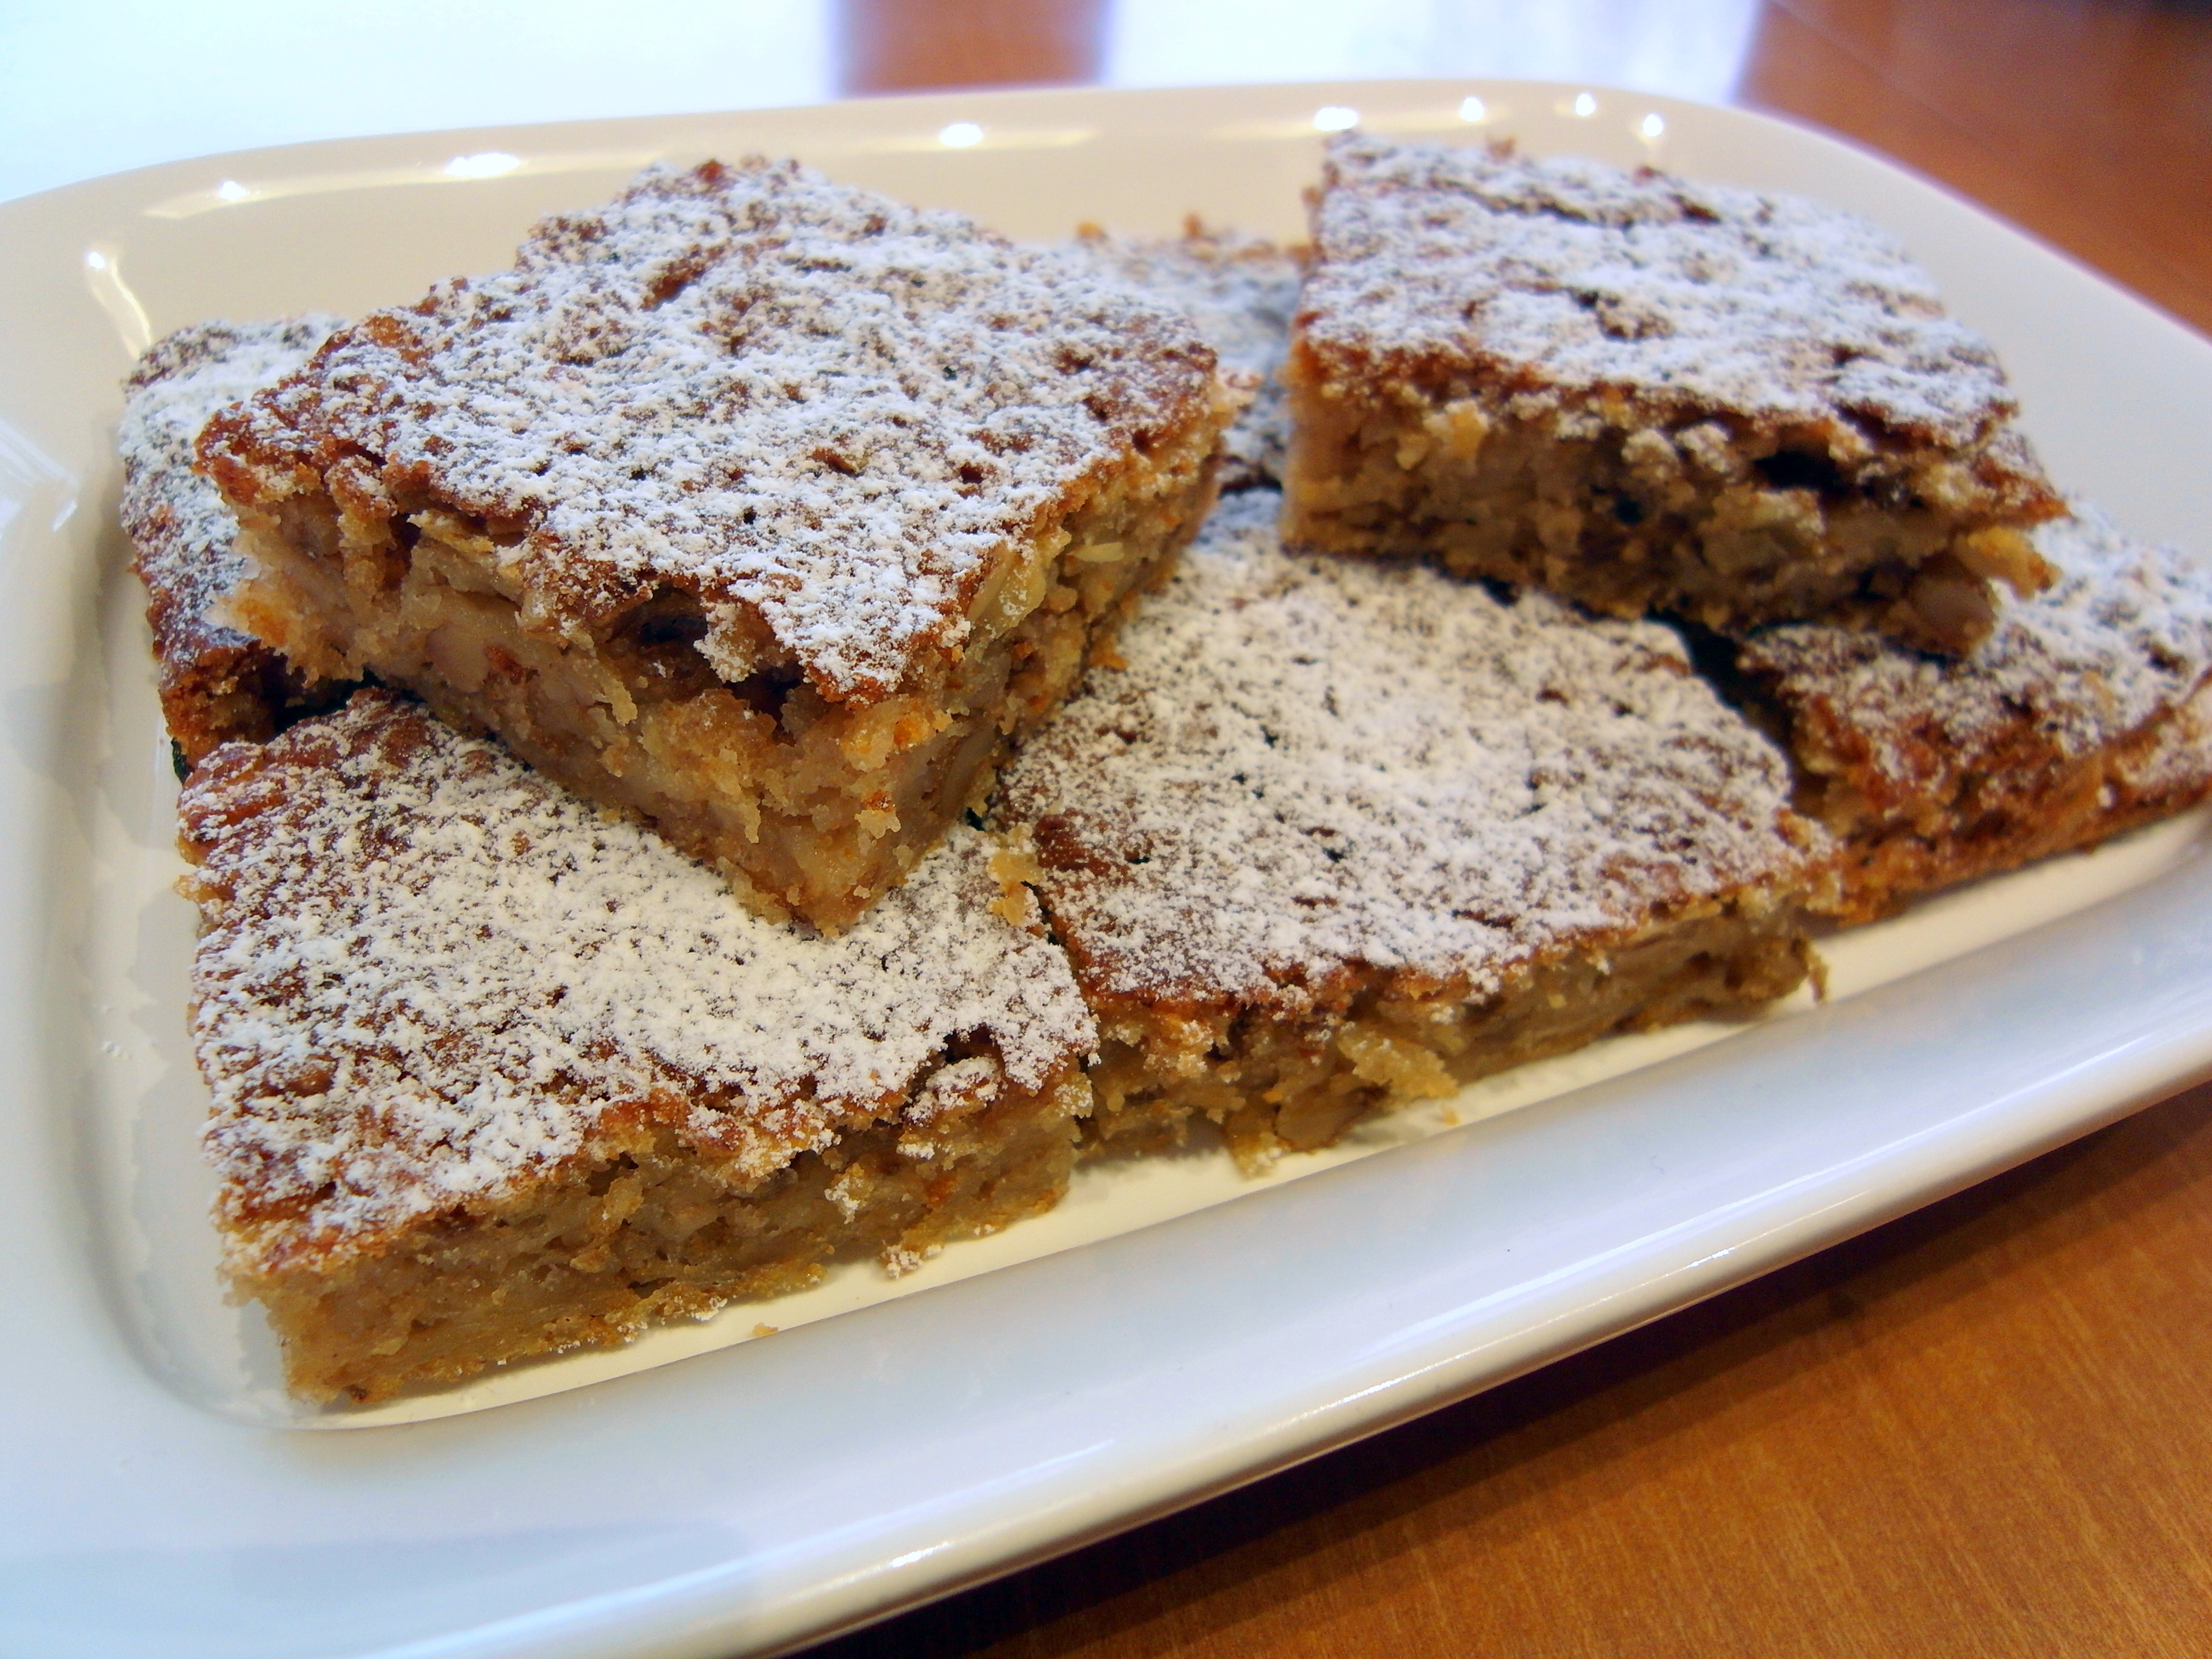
(2086, 713)
(215, 682)
(1344, 833)
(1240, 291)
(763, 506)
(497, 1073)
(1647, 394)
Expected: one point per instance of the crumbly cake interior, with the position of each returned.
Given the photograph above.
(1647, 394)
(215, 682)
(1240, 292)
(497, 1072)
(2082, 715)
(768, 507)
(1339, 835)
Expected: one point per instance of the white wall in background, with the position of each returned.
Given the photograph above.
(1688, 48)
(97, 85)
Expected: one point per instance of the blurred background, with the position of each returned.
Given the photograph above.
(2088, 121)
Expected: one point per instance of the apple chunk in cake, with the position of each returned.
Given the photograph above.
(497, 1073)
(768, 507)
(215, 682)
(1343, 834)
(2086, 713)
(1647, 394)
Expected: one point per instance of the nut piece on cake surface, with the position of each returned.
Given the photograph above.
(1648, 394)
(766, 507)
(1343, 834)
(2089, 712)
(215, 683)
(497, 1074)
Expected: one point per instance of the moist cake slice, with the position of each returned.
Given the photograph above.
(215, 682)
(1343, 833)
(497, 1072)
(765, 507)
(1647, 394)
(1240, 291)
(2086, 713)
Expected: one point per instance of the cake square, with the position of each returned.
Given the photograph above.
(1240, 291)
(1650, 395)
(765, 507)
(2086, 713)
(497, 1073)
(1344, 833)
(215, 683)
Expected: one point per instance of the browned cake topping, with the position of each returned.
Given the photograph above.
(183, 530)
(427, 973)
(1564, 275)
(2123, 637)
(1240, 291)
(1311, 766)
(179, 527)
(784, 396)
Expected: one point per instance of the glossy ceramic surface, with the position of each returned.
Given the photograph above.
(1149, 1342)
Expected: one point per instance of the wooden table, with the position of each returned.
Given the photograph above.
(1985, 1429)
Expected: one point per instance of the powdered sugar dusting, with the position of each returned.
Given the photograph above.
(2121, 639)
(1309, 766)
(2179, 759)
(427, 973)
(1567, 274)
(773, 393)
(176, 519)
(1240, 291)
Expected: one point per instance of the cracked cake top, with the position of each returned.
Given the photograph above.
(1240, 291)
(815, 410)
(2123, 637)
(426, 973)
(1562, 276)
(180, 532)
(1310, 768)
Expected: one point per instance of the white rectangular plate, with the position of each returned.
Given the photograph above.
(1149, 1342)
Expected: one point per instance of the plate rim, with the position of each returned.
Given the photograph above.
(2135, 1055)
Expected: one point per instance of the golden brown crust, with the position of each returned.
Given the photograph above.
(1240, 291)
(1276, 1081)
(446, 1009)
(1650, 394)
(1438, 268)
(832, 422)
(215, 682)
(2023, 810)
(763, 507)
(2080, 717)
(1337, 831)
(612, 1241)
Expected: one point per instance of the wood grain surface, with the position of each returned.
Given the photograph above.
(1984, 1430)
(2090, 125)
